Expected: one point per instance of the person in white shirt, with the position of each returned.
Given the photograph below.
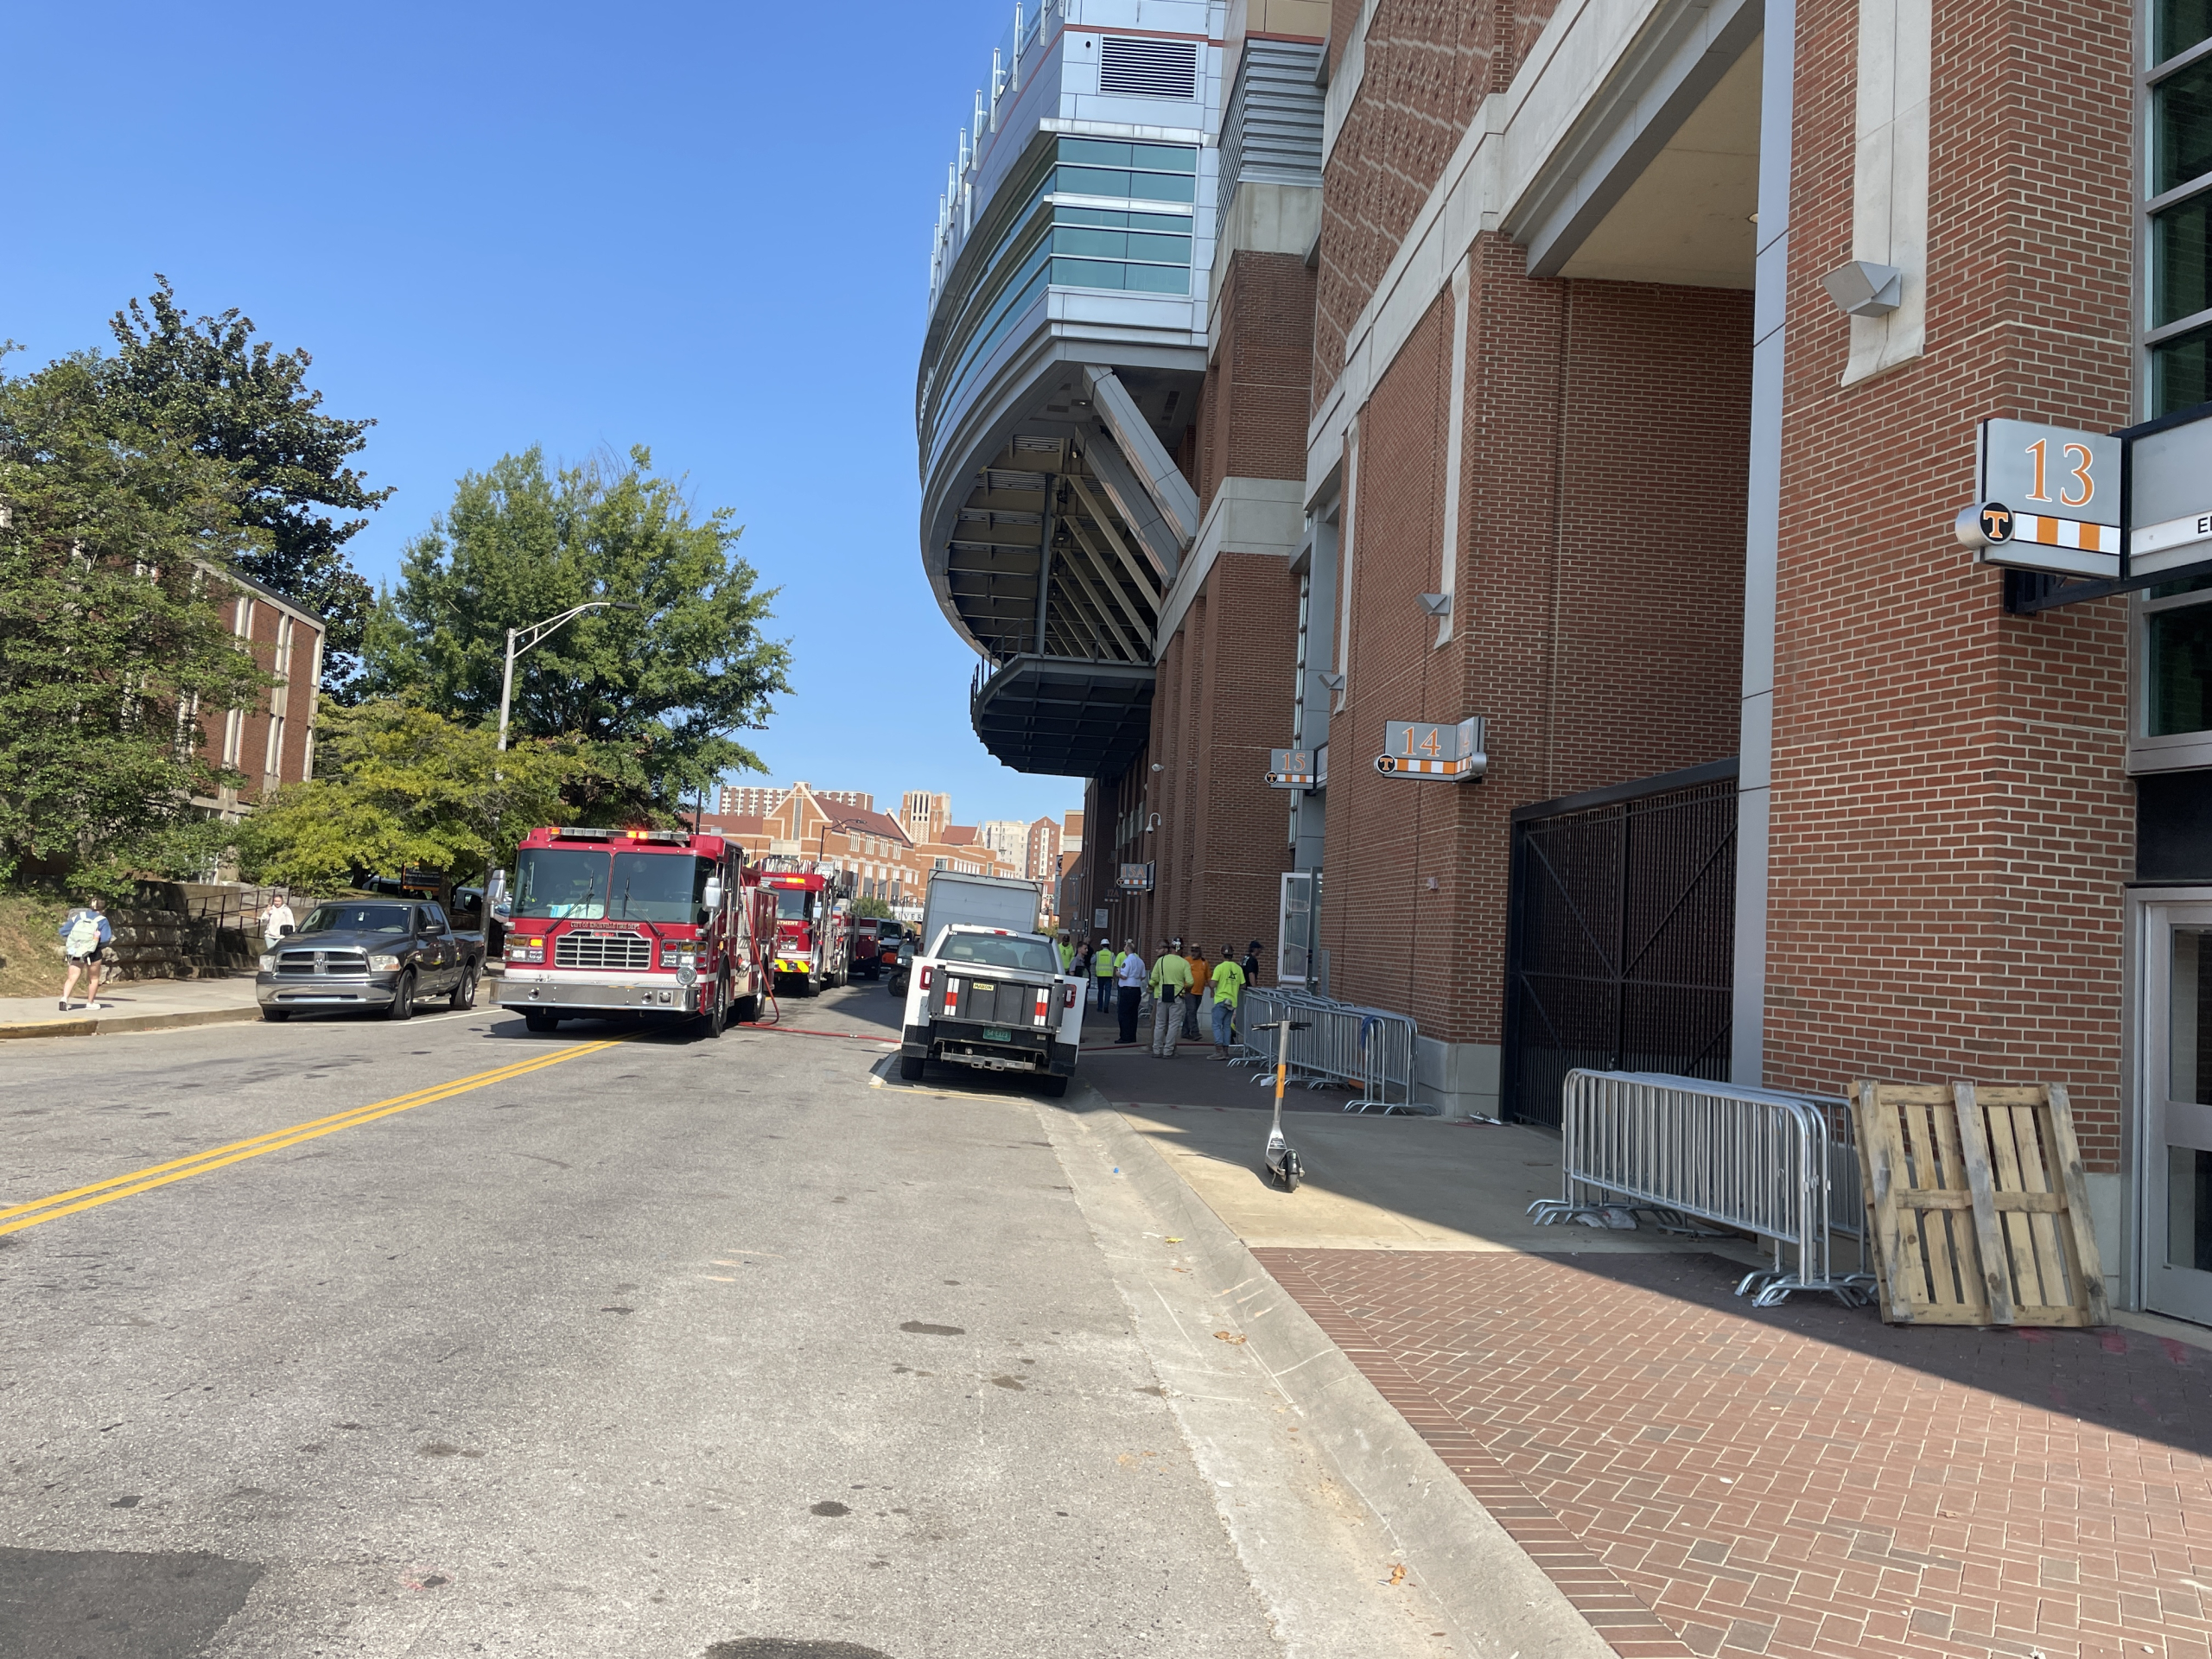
(276, 919)
(1130, 975)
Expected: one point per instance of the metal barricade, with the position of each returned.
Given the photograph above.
(1686, 1149)
(1340, 1044)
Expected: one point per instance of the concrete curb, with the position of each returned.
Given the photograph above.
(1497, 1599)
(95, 1025)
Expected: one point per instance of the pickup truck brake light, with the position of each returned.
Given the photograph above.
(928, 974)
(1067, 996)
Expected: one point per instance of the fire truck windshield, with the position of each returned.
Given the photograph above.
(558, 884)
(659, 887)
(794, 905)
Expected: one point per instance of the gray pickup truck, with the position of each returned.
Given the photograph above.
(386, 954)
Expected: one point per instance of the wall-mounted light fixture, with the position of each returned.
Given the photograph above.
(1436, 604)
(1863, 289)
(1334, 682)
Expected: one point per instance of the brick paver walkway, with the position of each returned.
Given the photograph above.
(1701, 1477)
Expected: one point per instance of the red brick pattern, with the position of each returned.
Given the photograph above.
(1801, 1481)
(1599, 653)
(1252, 422)
(1427, 64)
(1951, 823)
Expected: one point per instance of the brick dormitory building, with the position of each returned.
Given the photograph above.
(1303, 381)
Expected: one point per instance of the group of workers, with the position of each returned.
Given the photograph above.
(1182, 985)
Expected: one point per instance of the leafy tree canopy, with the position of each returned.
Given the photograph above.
(114, 543)
(208, 384)
(402, 787)
(658, 693)
(872, 907)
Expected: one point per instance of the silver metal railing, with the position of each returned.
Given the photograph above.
(1780, 1166)
(1343, 1043)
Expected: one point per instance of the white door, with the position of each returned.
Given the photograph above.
(2177, 1075)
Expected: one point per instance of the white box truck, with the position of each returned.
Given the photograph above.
(987, 989)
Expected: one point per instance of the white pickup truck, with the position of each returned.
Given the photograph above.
(987, 989)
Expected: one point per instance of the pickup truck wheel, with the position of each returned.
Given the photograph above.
(910, 1068)
(402, 998)
(539, 1020)
(464, 994)
(1053, 1088)
(276, 1016)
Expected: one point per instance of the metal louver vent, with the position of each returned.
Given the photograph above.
(1134, 67)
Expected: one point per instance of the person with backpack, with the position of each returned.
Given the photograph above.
(85, 933)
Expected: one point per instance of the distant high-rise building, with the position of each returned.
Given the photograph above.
(752, 800)
(758, 800)
(1008, 838)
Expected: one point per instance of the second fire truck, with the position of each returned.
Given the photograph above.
(814, 922)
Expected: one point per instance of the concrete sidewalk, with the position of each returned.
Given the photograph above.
(1698, 1476)
(135, 1005)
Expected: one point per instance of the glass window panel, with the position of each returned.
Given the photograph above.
(1169, 158)
(2181, 24)
(2182, 146)
(1161, 187)
(1105, 245)
(1157, 279)
(2178, 667)
(2182, 274)
(2178, 373)
(1094, 181)
(2189, 1208)
(1087, 273)
(1172, 250)
(2170, 590)
(1093, 216)
(1172, 224)
(1098, 151)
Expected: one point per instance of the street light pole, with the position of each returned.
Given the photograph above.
(529, 637)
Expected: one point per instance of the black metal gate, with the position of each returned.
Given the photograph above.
(1620, 950)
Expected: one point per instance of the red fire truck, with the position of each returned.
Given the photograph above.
(634, 922)
(814, 922)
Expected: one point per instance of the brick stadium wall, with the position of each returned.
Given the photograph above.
(1225, 831)
(1951, 825)
(1427, 64)
(1252, 419)
(1599, 584)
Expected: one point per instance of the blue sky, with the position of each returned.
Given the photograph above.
(701, 227)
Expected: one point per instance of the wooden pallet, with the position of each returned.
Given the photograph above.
(1978, 1205)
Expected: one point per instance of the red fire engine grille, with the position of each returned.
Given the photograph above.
(630, 952)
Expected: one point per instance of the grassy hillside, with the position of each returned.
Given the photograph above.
(30, 954)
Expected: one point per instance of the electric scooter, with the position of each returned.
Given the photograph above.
(1282, 1158)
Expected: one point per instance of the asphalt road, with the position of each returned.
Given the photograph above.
(666, 1346)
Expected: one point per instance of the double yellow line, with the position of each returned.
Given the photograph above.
(20, 1216)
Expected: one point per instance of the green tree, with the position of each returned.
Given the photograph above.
(208, 384)
(114, 543)
(402, 787)
(658, 693)
(878, 909)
